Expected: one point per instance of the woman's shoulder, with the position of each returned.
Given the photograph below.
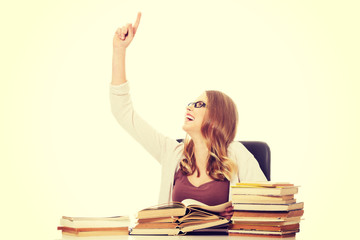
(237, 151)
(173, 149)
(236, 146)
(178, 147)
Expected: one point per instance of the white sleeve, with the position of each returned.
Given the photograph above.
(122, 109)
(248, 167)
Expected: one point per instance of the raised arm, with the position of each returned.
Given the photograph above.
(121, 105)
(122, 39)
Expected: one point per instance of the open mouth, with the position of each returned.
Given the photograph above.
(189, 117)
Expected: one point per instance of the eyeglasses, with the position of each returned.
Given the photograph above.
(198, 104)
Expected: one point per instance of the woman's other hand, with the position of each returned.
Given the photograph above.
(124, 35)
(228, 213)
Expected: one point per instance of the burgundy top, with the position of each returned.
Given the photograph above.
(211, 193)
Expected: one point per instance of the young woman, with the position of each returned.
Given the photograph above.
(209, 161)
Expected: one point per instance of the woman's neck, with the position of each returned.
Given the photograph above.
(201, 153)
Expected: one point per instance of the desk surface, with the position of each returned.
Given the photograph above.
(188, 237)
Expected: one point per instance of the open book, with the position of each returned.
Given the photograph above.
(176, 218)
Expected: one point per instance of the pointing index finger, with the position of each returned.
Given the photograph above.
(136, 24)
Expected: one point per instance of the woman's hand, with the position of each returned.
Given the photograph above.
(228, 213)
(122, 38)
(124, 35)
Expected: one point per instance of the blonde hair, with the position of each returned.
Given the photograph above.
(219, 130)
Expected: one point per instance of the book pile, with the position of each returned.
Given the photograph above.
(94, 226)
(265, 209)
(179, 218)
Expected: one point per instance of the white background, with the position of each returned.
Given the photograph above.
(290, 66)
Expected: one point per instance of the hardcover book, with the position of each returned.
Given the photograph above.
(265, 209)
(94, 226)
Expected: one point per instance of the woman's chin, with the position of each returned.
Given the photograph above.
(185, 128)
(190, 129)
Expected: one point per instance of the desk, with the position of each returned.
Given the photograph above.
(189, 237)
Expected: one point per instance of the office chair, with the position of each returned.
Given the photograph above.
(261, 152)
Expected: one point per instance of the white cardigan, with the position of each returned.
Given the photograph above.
(168, 152)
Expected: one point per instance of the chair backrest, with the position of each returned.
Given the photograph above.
(261, 152)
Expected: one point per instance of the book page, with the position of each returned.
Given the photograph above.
(166, 206)
(191, 203)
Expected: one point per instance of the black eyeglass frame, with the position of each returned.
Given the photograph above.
(198, 104)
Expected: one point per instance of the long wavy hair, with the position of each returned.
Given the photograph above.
(219, 130)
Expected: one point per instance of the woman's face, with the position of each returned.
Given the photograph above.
(194, 115)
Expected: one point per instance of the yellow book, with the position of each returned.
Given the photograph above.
(264, 188)
(264, 185)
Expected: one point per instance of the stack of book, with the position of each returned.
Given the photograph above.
(265, 209)
(179, 218)
(94, 226)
